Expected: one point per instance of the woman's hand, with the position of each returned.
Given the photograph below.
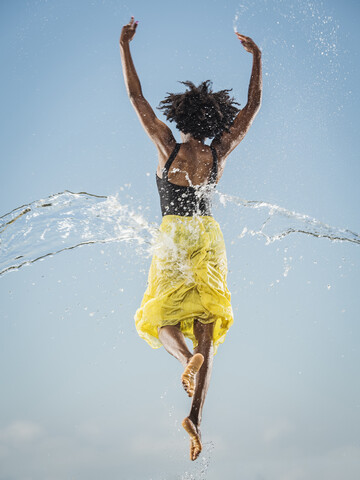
(249, 44)
(128, 31)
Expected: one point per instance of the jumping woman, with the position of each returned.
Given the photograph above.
(187, 295)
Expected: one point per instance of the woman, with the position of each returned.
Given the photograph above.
(187, 293)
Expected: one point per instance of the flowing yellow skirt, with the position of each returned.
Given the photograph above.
(187, 280)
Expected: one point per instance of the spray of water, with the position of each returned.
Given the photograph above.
(278, 222)
(310, 17)
(66, 221)
(200, 468)
(69, 220)
(235, 21)
(315, 43)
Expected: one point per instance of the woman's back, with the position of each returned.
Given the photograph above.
(184, 195)
(192, 165)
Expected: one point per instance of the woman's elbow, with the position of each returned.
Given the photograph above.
(253, 106)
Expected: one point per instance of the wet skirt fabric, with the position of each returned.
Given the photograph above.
(187, 280)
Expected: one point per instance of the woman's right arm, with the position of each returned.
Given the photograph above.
(158, 131)
(230, 140)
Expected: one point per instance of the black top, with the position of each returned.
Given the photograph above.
(186, 201)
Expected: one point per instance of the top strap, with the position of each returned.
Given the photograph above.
(166, 169)
(214, 169)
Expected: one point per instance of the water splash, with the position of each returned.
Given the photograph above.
(310, 17)
(69, 220)
(66, 221)
(277, 222)
(314, 43)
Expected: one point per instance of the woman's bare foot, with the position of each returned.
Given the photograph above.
(191, 369)
(195, 438)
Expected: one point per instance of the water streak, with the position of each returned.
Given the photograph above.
(66, 221)
(69, 220)
(278, 222)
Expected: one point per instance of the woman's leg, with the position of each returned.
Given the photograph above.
(174, 342)
(204, 336)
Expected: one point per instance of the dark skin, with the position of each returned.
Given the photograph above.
(191, 166)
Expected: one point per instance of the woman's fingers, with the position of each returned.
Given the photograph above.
(247, 42)
(132, 23)
(243, 38)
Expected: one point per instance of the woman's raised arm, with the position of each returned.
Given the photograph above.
(229, 140)
(159, 133)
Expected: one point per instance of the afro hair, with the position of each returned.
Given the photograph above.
(200, 111)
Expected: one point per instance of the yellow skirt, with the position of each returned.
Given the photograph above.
(187, 280)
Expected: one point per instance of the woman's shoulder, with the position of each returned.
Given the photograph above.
(165, 150)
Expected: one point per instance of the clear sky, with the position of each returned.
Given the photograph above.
(82, 396)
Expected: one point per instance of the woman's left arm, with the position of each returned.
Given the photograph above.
(230, 140)
(158, 131)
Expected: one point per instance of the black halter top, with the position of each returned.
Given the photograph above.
(186, 201)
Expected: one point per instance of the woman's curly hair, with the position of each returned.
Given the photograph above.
(200, 111)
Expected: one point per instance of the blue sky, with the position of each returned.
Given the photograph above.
(82, 395)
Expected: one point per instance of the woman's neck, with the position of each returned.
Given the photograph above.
(190, 140)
